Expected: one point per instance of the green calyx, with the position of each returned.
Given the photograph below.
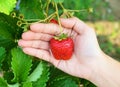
(61, 37)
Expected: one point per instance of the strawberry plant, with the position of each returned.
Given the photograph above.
(21, 70)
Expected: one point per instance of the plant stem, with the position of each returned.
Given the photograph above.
(38, 20)
(31, 19)
(58, 17)
(48, 17)
(26, 23)
(62, 6)
(76, 10)
(47, 7)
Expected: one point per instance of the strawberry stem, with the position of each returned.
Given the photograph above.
(61, 37)
(47, 7)
(83, 10)
(58, 18)
(48, 17)
(62, 6)
(38, 20)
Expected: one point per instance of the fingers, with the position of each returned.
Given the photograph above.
(54, 29)
(42, 54)
(75, 24)
(34, 44)
(45, 28)
(44, 31)
(29, 35)
(47, 31)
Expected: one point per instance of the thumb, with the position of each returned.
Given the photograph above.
(75, 24)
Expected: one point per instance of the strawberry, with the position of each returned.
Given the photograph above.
(54, 21)
(62, 47)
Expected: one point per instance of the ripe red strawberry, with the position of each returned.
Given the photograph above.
(54, 21)
(62, 48)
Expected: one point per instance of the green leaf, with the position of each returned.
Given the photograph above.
(21, 65)
(6, 64)
(5, 36)
(10, 21)
(27, 84)
(3, 83)
(41, 82)
(2, 54)
(14, 85)
(8, 31)
(36, 73)
(87, 83)
(31, 10)
(58, 1)
(6, 6)
(8, 76)
(61, 79)
(67, 82)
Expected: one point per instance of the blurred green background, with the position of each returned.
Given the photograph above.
(102, 9)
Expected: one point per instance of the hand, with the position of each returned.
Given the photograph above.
(35, 42)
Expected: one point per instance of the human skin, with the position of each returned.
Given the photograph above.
(88, 60)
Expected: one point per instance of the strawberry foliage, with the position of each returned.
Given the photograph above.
(6, 6)
(31, 11)
(21, 64)
(41, 81)
(3, 83)
(18, 69)
(61, 79)
(9, 31)
(2, 54)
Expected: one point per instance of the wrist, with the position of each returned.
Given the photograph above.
(98, 70)
(93, 65)
(106, 72)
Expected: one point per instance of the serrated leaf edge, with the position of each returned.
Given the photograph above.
(31, 77)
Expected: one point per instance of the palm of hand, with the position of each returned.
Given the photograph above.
(84, 41)
(79, 64)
